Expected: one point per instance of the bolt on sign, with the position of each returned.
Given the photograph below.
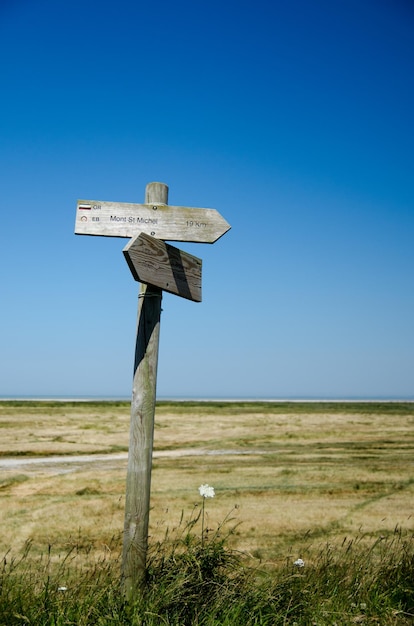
(159, 267)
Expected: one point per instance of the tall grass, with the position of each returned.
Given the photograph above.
(195, 579)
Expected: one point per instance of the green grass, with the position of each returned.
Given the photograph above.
(55, 404)
(240, 407)
(224, 406)
(201, 581)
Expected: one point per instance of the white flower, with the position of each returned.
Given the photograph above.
(62, 588)
(299, 563)
(206, 491)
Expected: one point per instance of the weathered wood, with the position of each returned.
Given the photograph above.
(173, 223)
(158, 266)
(156, 192)
(138, 483)
(157, 263)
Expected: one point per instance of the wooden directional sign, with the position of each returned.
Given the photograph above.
(174, 223)
(157, 263)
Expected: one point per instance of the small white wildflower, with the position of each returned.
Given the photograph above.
(62, 588)
(299, 563)
(206, 491)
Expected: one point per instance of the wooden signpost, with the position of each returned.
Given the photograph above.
(157, 263)
(172, 223)
(158, 266)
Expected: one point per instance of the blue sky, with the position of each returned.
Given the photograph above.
(293, 119)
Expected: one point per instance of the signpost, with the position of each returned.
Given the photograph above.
(158, 266)
(172, 223)
(157, 263)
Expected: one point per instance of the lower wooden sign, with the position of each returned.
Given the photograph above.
(157, 263)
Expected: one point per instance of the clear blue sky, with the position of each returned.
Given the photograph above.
(293, 119)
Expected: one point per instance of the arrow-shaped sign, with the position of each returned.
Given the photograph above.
(157, 263)
(174, 223)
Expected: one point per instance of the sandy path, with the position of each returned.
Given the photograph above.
(63, 463)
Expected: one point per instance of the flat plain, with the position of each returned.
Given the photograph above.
(290, 476)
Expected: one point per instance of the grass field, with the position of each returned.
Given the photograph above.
(295, 475)
(329, 483)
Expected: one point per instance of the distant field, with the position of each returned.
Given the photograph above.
(295, 475)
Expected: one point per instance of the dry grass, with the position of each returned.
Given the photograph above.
(299, 475)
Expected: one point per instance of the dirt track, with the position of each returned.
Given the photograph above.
(66, 463)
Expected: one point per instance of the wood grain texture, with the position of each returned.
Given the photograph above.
(155, 262)
(173, 223)
(138, 482)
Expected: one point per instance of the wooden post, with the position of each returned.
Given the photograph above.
(138, 484)
(149, 224)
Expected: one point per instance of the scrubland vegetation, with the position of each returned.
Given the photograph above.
(311, 522)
